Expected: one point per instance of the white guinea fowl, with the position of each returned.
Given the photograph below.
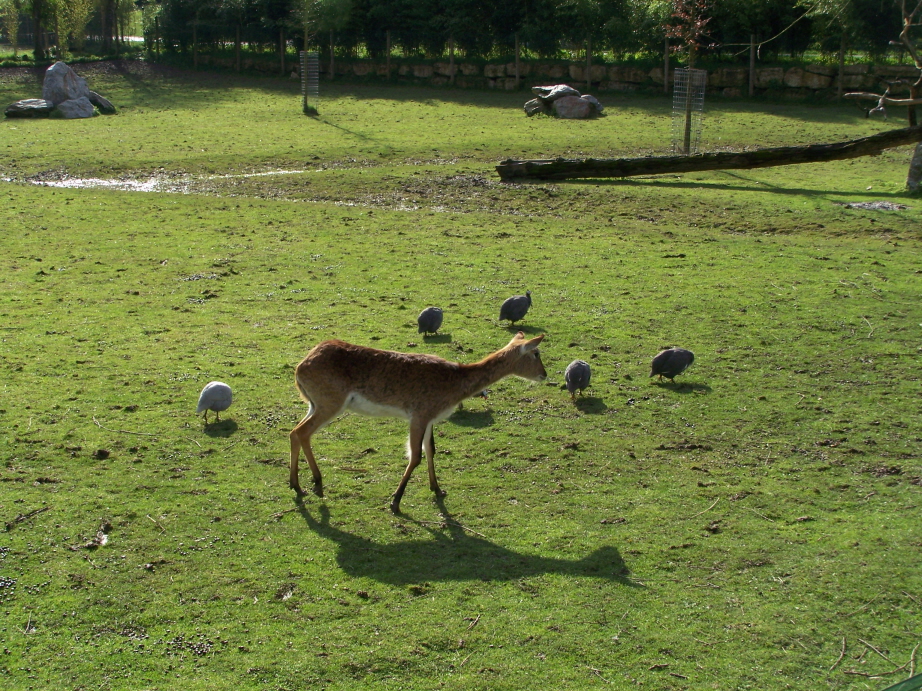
(215, 396)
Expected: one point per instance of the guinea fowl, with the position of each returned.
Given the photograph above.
(577, 376)
(515, 308)
(215, 396)
(429, 320)
(671, 362)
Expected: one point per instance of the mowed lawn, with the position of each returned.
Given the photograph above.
(753, 525)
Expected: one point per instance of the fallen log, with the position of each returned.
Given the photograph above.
(564, 169)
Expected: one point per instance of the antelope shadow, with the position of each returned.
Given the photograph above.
(453, 554)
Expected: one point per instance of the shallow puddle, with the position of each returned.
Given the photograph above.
(182, 185)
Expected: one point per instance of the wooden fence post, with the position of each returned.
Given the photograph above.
(666, 68)
(752, 64)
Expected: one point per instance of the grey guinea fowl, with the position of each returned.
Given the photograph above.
(577, 376)
(215, 396)
(429, 320)
(515, 308)
(671, 362)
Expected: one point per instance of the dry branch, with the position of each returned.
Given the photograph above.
(564, 169)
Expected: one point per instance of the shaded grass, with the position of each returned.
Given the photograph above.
(727, 531)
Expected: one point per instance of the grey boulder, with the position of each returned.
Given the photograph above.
(549, 94)
(536, 106)
(573, 108)
(105, 106)
(592, 99)
(61, 84)
(29, 108)
(76, 108)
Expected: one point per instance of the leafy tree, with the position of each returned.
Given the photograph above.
(9, 20)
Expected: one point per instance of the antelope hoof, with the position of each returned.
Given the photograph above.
(297, 488)
(440, 492)
(395, 508)
(318, 489)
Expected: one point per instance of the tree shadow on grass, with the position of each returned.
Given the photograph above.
(744, 184)
(453, 553)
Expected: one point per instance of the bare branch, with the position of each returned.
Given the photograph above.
(866, 96)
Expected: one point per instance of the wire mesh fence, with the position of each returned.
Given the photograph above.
(687, 109)
(310, 81)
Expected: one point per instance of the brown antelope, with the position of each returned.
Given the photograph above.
(424, 389)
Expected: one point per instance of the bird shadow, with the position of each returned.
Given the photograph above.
(591, 405)
(683, 387)
(437, 338)
(453, 553)
(224, 428)
(515, 328)
(472, 418)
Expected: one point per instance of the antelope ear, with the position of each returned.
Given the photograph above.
(532, 344)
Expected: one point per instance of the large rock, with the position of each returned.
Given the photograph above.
(76, 108)
(814, 80)
(594, 101)
(549, 94)
(105, 106)
(535, 107)
(29, 108)
(794, 78)
(494, 71)
(769, 76)
(573, 108)
(61, 84)
(728, 77)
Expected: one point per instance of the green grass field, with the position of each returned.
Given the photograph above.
(753, 526)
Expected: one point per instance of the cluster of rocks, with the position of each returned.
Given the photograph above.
(63, 93)
(563, 101)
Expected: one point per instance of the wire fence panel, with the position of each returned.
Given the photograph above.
(310, 81)
(687, 109)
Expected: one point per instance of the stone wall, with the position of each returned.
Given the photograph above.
(795, 82)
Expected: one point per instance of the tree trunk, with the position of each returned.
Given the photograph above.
(282, 50)
(588, 64)
(913, 95)
(388, 54)
(688, 102)
(451, 60)
(752, 64)
(37, 29)
(841, 68)
(195, 44)
(563, 169)
(666, 68)
(332, 58)
(237, 48)
(518, 69)
(914, 179)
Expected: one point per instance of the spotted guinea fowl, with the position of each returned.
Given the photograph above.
(429, 320)
(671, 362)
(515, 308)
(215, 396)
(577, 377)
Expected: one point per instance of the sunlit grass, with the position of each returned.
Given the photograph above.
(728, 531)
